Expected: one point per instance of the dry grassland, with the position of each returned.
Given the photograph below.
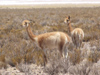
(16, 48)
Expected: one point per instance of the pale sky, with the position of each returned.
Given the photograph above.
(16, 2)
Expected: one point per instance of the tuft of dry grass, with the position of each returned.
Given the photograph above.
(75, 56)
(94, 56)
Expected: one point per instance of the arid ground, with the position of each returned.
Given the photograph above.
(19, 55)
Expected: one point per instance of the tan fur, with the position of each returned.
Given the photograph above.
(77, 34)
(31, 35)
(49, 40)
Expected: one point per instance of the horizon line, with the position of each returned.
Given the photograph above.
(48, 3)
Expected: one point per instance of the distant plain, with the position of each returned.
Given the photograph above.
(49, 6)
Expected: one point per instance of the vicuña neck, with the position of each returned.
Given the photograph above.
(30, 33)
(70, 27)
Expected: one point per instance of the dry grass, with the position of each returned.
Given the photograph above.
(16, 46)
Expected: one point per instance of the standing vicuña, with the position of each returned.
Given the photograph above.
(77, 34)
(49, 40)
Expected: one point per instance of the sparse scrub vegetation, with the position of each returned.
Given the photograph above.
(16, 47)
(94, 56)
(75, 56)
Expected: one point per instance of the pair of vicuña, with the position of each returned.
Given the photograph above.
(57, 39)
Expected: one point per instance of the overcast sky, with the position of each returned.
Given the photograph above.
(10, 2)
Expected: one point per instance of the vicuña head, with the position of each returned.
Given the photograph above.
(59, 40)
(67, 19)
(26, 23)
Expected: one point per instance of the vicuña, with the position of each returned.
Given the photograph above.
(77, 34)
(49, 40)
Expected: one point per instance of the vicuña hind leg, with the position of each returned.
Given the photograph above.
(65, 52)
(45, 57)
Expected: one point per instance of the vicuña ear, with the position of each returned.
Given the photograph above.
(69, 17)
(31, 21)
